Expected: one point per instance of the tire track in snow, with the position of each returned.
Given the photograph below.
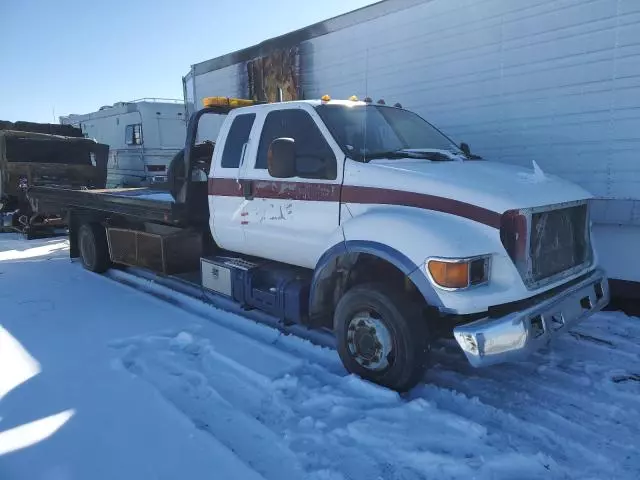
(569, 392)
(177, 369)
(317, 345)
(315, 424)
(548, 387)
(550, 427)
(534, 419)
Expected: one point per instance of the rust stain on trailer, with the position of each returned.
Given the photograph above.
(275, 77)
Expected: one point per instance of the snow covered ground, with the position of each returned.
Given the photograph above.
(99, 380)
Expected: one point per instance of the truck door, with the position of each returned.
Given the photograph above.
(226, 202)
(291, 220)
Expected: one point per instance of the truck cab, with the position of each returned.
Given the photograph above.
(374, 195)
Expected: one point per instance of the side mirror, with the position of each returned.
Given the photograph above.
(281, 158)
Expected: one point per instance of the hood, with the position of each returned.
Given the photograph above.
(491, 185)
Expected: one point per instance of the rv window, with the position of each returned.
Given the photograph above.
(237, 137)
(133, 134)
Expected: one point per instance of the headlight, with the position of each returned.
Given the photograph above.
(459, 273)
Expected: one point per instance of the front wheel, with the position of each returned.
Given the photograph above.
(382, 337)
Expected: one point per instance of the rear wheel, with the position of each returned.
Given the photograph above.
(382, 336)
(94, 250)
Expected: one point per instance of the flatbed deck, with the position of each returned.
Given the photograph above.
(142, 204)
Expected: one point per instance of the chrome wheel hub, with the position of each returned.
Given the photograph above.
(369, 341)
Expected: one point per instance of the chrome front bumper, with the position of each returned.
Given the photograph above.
(496, 340)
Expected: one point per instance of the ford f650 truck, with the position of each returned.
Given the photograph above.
(360, 218)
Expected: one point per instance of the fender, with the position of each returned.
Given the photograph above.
(327, 265)
(404, 237)
(420, 234)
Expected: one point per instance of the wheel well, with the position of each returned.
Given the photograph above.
(350, 270)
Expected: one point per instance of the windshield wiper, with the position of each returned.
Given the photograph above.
(402, 153)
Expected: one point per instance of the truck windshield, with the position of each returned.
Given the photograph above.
(366, 132)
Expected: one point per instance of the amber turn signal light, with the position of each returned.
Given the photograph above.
(448, 274)
(460, 273)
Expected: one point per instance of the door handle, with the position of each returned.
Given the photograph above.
(247, 189)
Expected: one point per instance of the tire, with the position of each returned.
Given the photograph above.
(94, 250)
(397, 323)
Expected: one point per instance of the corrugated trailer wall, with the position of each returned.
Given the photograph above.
(228, 81)
(556, 81)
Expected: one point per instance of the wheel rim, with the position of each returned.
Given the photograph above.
(369, 341)
(87, 249)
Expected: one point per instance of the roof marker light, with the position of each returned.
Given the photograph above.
(381, 102)
(353, 98)
(368, 100)
(326, 98)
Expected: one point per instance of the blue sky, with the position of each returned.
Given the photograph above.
(72, 56)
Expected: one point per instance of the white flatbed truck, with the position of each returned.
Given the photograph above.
(359, 218)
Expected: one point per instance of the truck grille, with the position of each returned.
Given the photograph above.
(559, 241)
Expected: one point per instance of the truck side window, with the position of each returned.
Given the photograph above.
(236, 138)
(133, 134)
(296, 124)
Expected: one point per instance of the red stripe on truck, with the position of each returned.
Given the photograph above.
(315, 192)
(323, 192)
(384, 196)
(225, 187)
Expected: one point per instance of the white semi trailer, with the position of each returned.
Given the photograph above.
(551, 81)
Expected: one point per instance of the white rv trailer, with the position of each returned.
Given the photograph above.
(555, 81)
(143, 136)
